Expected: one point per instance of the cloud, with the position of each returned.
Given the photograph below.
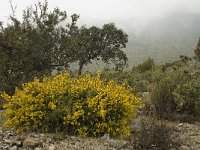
(116, 10)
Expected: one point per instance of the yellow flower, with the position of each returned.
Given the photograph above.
(103, 113)
(89, 105)
(52, 106)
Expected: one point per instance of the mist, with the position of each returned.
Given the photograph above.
(162, 29)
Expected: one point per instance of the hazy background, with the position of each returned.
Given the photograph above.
(162, 29)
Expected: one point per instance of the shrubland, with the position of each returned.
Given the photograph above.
(95, 104)
(86, 106)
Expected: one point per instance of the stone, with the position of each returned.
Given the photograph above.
(10, 134)
(145, 96)
(1, 136)
(18, 143)
(105, 138)
(183, 147)
(180, 124)
(52, 147)
(30, 142)
(14, 148)
(8, 141)
(42, 135)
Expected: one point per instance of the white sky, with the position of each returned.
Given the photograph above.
(126, 14)
(111, 9)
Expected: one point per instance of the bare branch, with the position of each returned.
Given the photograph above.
(13, 8)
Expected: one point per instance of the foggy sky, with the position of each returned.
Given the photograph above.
(156, 28)
(122, 12)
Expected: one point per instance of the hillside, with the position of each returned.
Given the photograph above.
(165, 39)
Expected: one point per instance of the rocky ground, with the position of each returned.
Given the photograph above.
(187, 135)
(33, 141)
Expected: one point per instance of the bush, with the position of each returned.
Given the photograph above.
(177, 92)
(82, 106)
(138, 81)
(187, 96)
(1, 103)
(197, 51)
(152, 134)
(162, 97)
(147, 65)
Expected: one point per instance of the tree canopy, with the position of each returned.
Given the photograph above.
(43, 41)
(197, 51)
(104, 44)
(34, 46)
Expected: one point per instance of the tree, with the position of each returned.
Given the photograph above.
(40, 43)
(34, 46)
(104, 44)
(147, 65)
(197, 51)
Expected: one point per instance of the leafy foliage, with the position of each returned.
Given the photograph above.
(147, 65)
(41, 43)
(152, 134)
(104, 44)
(187, 95)
(83, 106)
(133, 79)
(34, 46)
(197, 51)
(177, 91)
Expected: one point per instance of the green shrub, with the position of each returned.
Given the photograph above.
(138, 81)
(147, 65)
(1, 103)
(83, 106)
(162, 97)
(177, 91)
(187, 96)
(152, 134)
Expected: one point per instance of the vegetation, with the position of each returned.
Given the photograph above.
(90, 105)
(40, 44)
(153, 134)
(32, 47)
(197, 51)
(147, 65)
(174, 88)
(103, 44)
(83, 106)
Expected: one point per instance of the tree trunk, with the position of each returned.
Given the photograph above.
(80, 68)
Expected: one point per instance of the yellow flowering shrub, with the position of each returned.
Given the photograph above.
(85, 106)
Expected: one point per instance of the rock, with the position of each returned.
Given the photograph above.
(52, 147)
(1, 136)
(31, 142)
(20, 137)
(14, 148)
(136, 123)
(8, 141)
(180, 124)
(105, 138)
(10, 134)
(5, 147)
(18, 143)
(145, 96)
(183, 147)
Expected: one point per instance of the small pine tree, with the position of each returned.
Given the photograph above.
(197, 51)
(147, 65)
